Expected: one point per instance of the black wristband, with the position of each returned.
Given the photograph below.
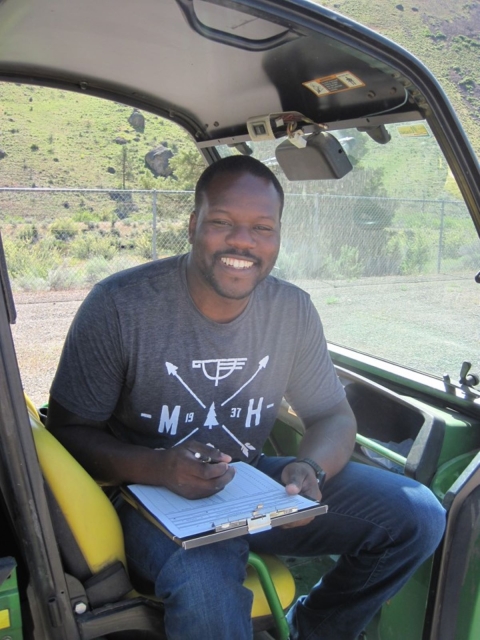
(319, 472)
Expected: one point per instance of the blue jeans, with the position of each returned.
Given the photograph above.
(382, 524)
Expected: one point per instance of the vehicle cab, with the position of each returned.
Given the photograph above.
(381, 227)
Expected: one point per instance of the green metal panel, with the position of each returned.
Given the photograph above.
(449, 472)
(468, 617)
(468, 621)
(10, 614)
(403, 616)
(461, 433)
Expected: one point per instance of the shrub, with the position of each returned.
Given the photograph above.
(346, 266)
(98, 268)
(288, 266)
(349, 263)
(29, 234)
(457, 233)
(143, 245)
(307, 261)
(90, 245)
(414, 249)
(64, 277)
(470, 255)
(31, 261)
(87, 216)
(29, 283)
(64, 229)
(173, 241)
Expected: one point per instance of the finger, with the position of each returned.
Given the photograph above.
(206, 454)
(300, 479)
(311, 490)
(294, 477)
(214, 471)
(214, 484)
(195, 487)
(223, 480)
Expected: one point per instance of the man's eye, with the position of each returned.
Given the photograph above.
(220, 223)
(261, 227)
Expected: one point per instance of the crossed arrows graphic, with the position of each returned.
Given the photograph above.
(211, 418)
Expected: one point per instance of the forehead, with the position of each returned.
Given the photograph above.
(241, 191)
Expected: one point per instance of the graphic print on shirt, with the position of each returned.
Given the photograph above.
(216, 371)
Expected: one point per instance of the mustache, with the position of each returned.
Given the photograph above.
(245, 255)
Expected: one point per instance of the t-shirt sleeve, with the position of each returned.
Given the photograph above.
(90, 374)
(314, 387)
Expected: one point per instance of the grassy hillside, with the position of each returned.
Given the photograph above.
(79, 147)
(443, 34)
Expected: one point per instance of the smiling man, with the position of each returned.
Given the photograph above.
(190, 357)
(235, 237)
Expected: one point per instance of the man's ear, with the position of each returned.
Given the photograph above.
(192, 225)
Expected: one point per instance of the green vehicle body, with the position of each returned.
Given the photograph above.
(442, 417)
(11, 616)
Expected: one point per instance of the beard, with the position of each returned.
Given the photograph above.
(234, 288)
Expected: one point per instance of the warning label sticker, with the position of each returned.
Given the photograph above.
(334, 84)
(413, 131)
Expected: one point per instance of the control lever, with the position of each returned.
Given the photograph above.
(468, 379)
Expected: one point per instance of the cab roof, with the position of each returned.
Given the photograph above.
(209, 65)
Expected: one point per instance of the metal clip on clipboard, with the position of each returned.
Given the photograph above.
(258, 521)
(253, 524)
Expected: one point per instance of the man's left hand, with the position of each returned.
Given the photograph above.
(300, 478)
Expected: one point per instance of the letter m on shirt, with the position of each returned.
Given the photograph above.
(169, 423)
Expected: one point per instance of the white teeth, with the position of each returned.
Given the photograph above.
(236, 263)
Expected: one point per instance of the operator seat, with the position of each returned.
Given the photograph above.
(90, 539)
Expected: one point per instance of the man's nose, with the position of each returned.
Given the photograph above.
(240, 237)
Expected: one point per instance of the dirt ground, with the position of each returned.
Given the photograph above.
(429, 325)
(42, 323)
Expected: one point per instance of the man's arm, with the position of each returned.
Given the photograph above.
(329, 441)
(114, 462)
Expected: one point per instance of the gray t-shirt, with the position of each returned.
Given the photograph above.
(141, 356)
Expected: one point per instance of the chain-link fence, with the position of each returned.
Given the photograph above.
(70, 238)
(347, 237)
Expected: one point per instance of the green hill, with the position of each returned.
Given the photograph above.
(443, 34)
(87, 143)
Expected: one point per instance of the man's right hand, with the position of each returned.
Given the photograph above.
(194, 470)
(114, 462)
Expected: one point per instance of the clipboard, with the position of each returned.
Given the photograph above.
(268, 506)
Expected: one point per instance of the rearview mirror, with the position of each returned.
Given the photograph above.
(322, 158)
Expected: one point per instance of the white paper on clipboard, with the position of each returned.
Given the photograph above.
(251, 502)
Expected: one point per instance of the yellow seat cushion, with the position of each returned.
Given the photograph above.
(92, 518)
(282, 579)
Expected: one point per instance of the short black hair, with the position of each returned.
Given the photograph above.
(236, 165)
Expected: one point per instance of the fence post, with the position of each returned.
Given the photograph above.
(154, 225)
(440, 236)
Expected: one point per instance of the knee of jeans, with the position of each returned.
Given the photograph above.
(426, 520)
(209, 580)
(194, 570)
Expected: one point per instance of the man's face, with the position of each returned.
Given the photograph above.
(235, 236)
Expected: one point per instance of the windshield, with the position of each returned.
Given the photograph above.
(388, 253)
